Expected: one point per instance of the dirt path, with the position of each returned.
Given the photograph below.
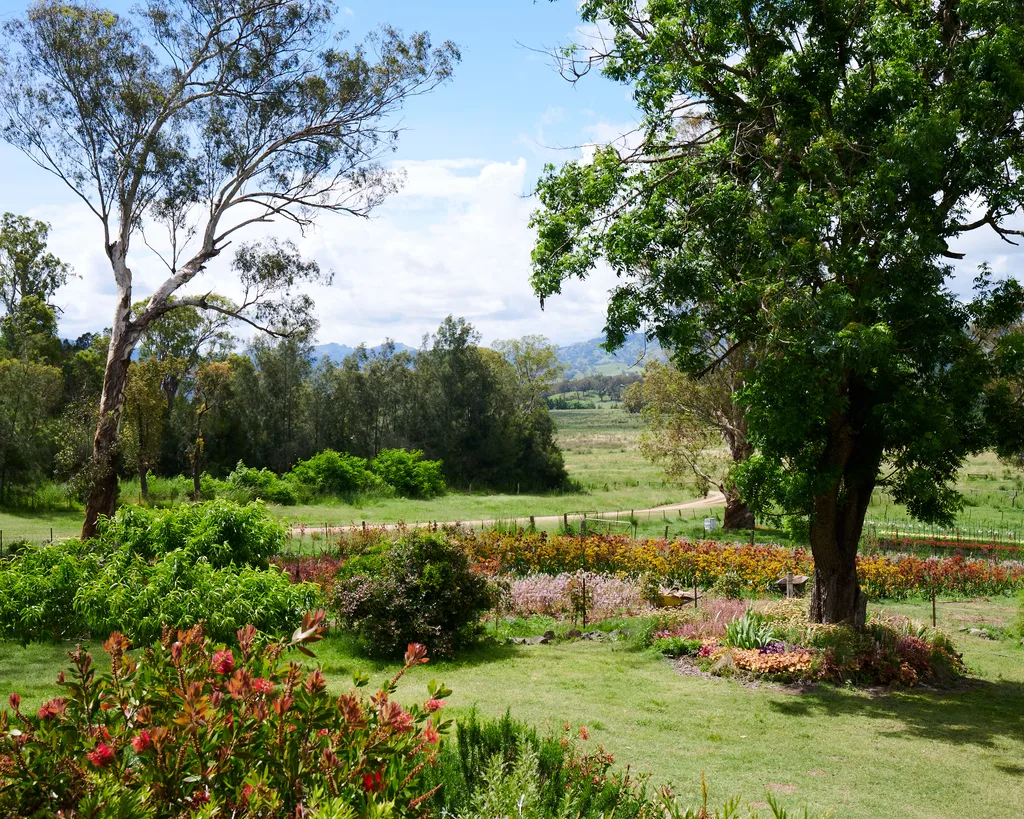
(713, 499)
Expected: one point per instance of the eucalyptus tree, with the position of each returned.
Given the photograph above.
(691, 420)
(196, 119)
(800, 180)
(27, 268)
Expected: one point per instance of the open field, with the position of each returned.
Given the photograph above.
(916, 753)
(602, 456)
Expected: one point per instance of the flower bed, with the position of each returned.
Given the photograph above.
(778, 643)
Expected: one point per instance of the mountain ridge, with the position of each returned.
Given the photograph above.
(580, 358)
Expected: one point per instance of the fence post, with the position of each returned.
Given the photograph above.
(933, 604)
(666, 531)
(533, 526)
(695, 591)
(565, 521)
(789, 583)
(51, 535)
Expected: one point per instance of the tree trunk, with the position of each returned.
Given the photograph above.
(737, 513)
(837, 520)
(102, 498)
(144, 482)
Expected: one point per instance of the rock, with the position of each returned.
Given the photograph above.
(573, 634)
(975, 632)
(592, 635)
(962, 628)
(519, 641)
(549, 635)
(542, 640)
(616, 634)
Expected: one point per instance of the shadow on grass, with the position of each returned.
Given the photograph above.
(979, 714)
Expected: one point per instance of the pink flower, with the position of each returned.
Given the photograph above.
(434, 705)
(223, 661)
(102, 756)
(584, 733)
(15, 701)
(430, 733)
(142, 741)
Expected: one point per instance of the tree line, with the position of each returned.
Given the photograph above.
(198, 400)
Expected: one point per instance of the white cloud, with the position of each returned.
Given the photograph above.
(454, 240)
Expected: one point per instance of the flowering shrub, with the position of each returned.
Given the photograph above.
(907, 544)
(789, 665)
(190, 729)
(551, 595)
(420, 589)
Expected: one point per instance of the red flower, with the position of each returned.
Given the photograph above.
(372, 782)
(223, 661)
(434, 705)
(584, 734)
(52, 708)
(102, 756)
(430, 733)
(15, 701)
(262, 686)
(142, 741)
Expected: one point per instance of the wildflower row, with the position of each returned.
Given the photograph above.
(703, 562)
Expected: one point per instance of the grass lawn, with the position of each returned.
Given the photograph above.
(19, 524)
(916, 753)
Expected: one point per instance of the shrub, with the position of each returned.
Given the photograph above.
(331, 473)
(190, 729)
(409, 474)
(221, 531)
(37, 592)
(130, 595)
(247, 484)
(420, 589)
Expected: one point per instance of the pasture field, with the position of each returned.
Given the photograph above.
(603, 459)
(917, 753)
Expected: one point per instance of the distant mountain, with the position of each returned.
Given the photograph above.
(590, 358)
(581, 358)
(339, 352)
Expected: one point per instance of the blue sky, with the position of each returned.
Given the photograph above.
(455, 240)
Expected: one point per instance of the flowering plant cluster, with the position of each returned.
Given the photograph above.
(552, 595)
(189, 728)
(907, 544)
(754, 568)
(889, 651)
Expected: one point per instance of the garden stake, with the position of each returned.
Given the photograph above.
(666, 531)
(933, 605)
(695, 592)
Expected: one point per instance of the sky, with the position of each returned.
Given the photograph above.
(455, 240)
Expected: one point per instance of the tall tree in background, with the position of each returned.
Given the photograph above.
(142, 425)
(28, 394)
(689, 420)
(27, 269)
(802, 175)
(536, 364)
(200, 119)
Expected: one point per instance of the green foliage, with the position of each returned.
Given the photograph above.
(117, 744)
(37, 593)
(409, 473)
(248, 484)
(220, 531)
(331, 473)
(419, 588)
(138, 598)
(676, 646)
(804, 195)
(749, 631)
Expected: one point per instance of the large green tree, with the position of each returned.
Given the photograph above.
(197, 119)
(801, 177)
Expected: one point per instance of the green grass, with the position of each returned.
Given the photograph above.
(917, 753)
(33, 525)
